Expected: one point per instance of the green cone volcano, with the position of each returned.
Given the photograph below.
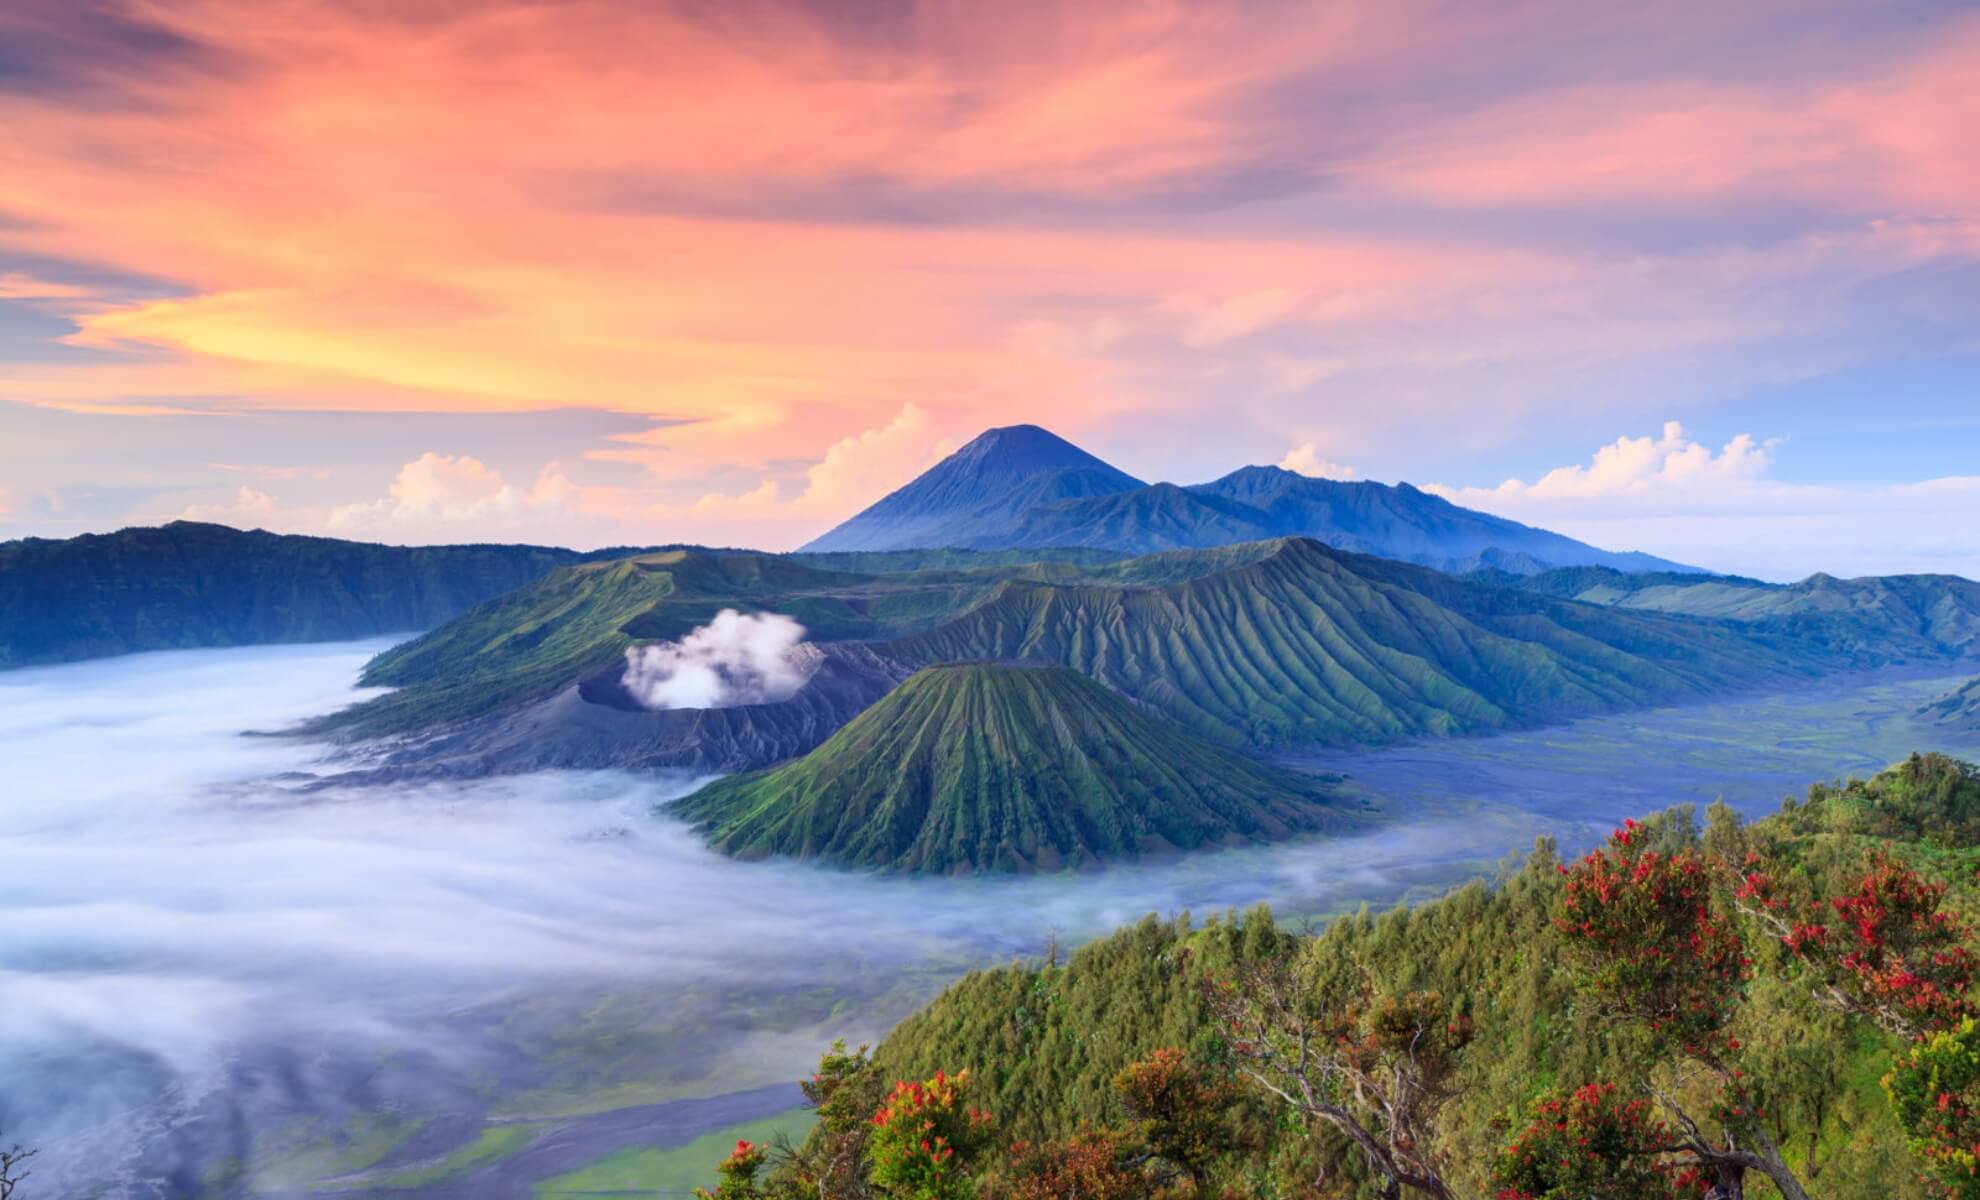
(977, 767)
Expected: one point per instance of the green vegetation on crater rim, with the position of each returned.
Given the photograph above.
(987, 767)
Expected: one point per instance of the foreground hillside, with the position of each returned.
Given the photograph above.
(980, 767)
(1487, 1044)
(187, 585)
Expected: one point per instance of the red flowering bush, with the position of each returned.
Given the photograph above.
(1091, 1166)
(1935, 1093)
(1645, 930)
(923, 1139)
(737, 1175)
(1592, 1144)
(1890, 950)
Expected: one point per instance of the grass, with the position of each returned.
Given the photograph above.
(495, 1142)
(346, 1151)
(671, 1170)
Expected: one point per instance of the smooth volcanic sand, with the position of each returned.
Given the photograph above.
(213, 976)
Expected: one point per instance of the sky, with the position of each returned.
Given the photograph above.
(1694, 278)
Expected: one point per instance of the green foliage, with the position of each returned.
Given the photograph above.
(1927, 798)
(1934, 1088)
(981, 767)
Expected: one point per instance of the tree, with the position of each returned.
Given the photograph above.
(1183, 1110)
(11, 1173)
(1887, 949)
(832, 1164)
(1376, 1068)
(1656, 947)
(1592, 1144)
(924, 1139)
(1934, 1087)
(737, 1175)
(1095, 1165)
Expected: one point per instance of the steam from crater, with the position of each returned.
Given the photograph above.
(734, 659)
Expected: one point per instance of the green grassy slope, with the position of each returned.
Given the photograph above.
(187, 585)
(1290, 642)
(976, 767)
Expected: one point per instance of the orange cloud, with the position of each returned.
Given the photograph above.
(787, 232)
(1899, 143)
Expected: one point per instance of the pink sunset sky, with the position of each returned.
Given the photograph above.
(1699, 279)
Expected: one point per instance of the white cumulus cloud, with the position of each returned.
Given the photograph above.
(735, 659)
(1305, 459)
(1724, 509)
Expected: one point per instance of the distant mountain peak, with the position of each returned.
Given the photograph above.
(1025, 486)
(1000, 473)
(1032, 444)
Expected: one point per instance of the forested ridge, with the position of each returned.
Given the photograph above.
(1691, 1005)
(187, 585)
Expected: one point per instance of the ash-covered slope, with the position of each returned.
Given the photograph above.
(594, 724)
(983, 767)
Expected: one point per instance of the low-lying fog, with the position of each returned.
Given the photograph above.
(209, 973)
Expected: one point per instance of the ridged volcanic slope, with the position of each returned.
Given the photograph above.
(1295, 643)
(986, 767)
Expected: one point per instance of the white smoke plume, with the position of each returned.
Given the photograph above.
(734, 659)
